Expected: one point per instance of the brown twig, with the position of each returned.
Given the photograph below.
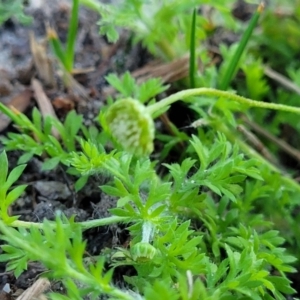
(279, 142)
(284, 81)
(258, 145)
(36, 290)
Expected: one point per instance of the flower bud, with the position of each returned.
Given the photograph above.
(131, 126)
(142, 252)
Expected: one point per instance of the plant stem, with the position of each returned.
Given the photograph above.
(84, 225)
(152, 109)
(69, 270)
(73, 25)
(148, 229)
(92, 282)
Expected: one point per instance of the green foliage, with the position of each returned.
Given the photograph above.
(60, 248)
(256, 84)
(66, 55)
(161, 26)
(177, 249)
(128, 87)
(170, 248)
(13, 8)
(6, 181)
(216, 222)
(36, 136)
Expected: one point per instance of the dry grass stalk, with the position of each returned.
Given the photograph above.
(44, 103)
(41, 61)
(36, 290)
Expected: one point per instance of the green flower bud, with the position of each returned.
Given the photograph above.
(131, 125)
(142, 252)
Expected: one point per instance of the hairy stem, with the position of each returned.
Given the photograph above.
(152, 109)
(85, 225)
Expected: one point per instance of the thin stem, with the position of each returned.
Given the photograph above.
(147, 232)
(93, 282)
(84, 225)
(152, 109)
(114, 172)
(161, 45)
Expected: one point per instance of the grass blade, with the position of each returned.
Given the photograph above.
(4, 169)
(56, 45)
(241, 48)
(192, 67)
(73, 26)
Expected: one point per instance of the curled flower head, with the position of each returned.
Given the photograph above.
(142, 252)
(131, 125)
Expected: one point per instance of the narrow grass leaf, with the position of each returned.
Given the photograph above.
(240, 49)
(56, 45)
(192, 67)
(73, 25)
(3, 167)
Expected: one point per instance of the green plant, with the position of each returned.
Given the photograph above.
(158, 25)
(13, 8)
(164, 247)
(8, 197)
(66, 56)
(35, 138)
(129, 121)
(234, 62)
(217, 223)
(61, 249)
